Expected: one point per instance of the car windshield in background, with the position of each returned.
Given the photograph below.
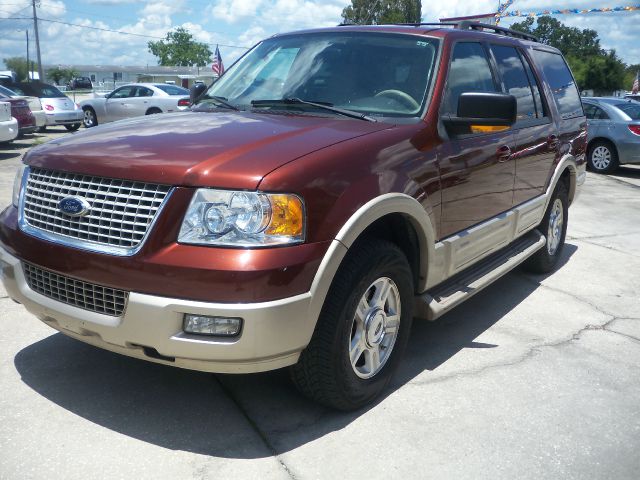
(7, 92)
(172, 89)
(384, 75)
(631, 109)
(41, 90)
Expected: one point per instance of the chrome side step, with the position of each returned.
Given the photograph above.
(442, 298)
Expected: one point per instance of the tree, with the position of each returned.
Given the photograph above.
(56, 74)
(180, 49)
(593, 67)
(19, 65)
(382, 11)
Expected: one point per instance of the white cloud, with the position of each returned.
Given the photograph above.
(233, 11)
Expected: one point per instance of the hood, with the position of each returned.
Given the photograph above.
(217, 149)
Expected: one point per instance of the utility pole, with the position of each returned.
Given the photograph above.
(28, 64)
(35, 26)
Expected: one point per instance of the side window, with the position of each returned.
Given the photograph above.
(515, 80)
(594, 113)
(535, 88)
(143, 92)
(123, 92)
(469, 72)
(565, 92)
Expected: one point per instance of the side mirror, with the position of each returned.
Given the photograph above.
(195, 91)
(483, 113)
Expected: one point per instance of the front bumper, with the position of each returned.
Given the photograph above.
(65, 117)
(273, 334)
(8, 130)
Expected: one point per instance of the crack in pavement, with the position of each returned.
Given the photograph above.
(534, 350)
(262, 435)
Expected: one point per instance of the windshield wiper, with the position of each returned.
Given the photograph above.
(322, 106)
(220, 101)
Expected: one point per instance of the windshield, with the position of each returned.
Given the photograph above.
(40, 90)
(631, 109)
(5, 91)
(376, 74)
(172, 89)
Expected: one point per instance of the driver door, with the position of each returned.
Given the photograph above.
(117, 105)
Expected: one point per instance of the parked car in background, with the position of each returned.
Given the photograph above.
(80, 83)
(8, 124)
(134, 100)
(58, 108)
(22, 113)
(614, 132)
(34, 104)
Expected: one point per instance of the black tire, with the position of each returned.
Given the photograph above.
(41, 129)
(545, 259)
(73, 127)
(153, 111)
(602, 157)
(324, 372)
(90, 119)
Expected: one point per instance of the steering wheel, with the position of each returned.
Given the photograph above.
(401, 97)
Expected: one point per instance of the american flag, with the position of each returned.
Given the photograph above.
(217, 66)
(636, 84)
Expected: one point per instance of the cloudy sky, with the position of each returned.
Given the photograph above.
(237, 24)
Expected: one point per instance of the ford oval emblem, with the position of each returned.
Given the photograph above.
(74, 206)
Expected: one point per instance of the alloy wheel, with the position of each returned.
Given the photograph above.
(375, 328)
(601, 157)
(556, 221)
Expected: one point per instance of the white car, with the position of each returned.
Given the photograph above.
(8, 124)
(58, 108)
(134, 100)
(34, 104)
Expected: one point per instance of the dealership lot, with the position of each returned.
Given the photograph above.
(536, 377)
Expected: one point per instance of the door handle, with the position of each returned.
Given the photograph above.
(503, 153)
(553, 141)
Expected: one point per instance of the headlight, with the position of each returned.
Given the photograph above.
(17, 185)
(243, 219)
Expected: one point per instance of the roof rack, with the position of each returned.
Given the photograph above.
(467, 25)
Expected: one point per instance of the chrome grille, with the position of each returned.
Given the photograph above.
(89, 296)
(120, 215)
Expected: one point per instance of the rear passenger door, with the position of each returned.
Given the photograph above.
(597, 119)
(139, 103)
(536, 136)
(476, 169)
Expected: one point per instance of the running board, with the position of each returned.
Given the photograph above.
(451, 293)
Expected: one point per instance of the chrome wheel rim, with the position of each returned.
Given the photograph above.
(556, 220)
(375, 327)
(601, 157)
(88, 118)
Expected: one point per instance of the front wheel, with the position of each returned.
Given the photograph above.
(73, 127)
(89, 120)
(554, 227)
(362, 330)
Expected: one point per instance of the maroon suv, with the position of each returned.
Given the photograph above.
(330, 187)
(22, 113)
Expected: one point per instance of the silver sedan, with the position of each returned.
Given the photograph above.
(614, 132)
(134, 100)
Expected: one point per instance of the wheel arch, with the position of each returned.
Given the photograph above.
(153, 109)
(412, 231)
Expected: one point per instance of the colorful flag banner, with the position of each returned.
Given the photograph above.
(519, 13)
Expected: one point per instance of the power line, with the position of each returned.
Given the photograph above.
(110, 30)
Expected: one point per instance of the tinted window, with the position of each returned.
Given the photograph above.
(630, 109)
(143, 92)
(594, 113)
(535, 88)
(515, 80)
(172, 89)
(561, 82)
(123, 92)
(469, 72)
(41, 90)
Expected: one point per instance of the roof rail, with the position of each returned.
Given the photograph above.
(466, 25)
(470, 25)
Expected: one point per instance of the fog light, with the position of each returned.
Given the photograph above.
(206, 325)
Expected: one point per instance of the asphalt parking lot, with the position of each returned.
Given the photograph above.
(536, 377)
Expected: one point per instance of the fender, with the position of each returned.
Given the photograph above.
(365, 216)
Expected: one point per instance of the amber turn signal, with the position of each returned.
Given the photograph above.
(488, 128)
(287, 216)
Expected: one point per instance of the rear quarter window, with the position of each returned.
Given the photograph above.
(563, 87)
